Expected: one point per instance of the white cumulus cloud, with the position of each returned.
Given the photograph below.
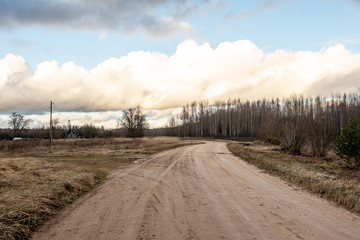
(194, 72)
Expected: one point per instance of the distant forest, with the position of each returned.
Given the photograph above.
(296, 121)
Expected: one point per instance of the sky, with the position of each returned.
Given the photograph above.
(93, 58)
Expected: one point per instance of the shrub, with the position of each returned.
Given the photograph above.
(272, 141)
(347, 145)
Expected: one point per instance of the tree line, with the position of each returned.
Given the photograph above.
(132, 123)
(19, 127)
(296, 120)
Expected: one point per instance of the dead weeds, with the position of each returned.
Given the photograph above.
(32, 190)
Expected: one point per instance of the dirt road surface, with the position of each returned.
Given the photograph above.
(199, 192)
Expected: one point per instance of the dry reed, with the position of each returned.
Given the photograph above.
(32, 190)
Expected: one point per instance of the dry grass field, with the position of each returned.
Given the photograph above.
(36, 182)
(330, 178)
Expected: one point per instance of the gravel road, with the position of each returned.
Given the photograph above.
(199, 192)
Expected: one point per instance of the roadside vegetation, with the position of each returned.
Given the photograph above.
(347, 145)
(330, 177)
(36, 182)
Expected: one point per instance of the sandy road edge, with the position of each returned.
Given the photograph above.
(119, 173)
(306, 180)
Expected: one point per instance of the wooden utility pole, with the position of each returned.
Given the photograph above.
(51, 104)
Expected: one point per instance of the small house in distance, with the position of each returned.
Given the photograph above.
(71, 134)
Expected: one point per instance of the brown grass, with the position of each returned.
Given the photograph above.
(36, 183)
(32, 189)
(329, 178)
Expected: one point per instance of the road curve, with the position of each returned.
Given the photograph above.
(199, 192)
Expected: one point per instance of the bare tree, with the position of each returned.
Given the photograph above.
(18, 123)
(134, 121)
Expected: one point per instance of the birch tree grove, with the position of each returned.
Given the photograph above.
(295, 120)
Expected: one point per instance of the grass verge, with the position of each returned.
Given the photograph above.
(33, 189)
(329, 178)
(36, 183)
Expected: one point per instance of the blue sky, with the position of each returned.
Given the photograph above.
(101, 42)
(290, 25)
